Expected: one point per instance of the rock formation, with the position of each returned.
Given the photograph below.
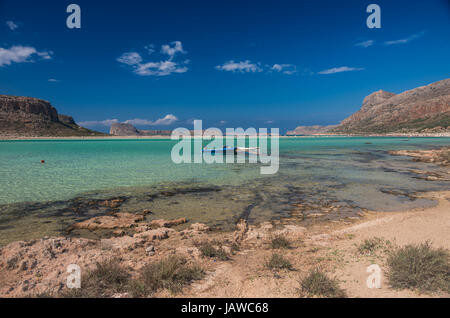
(32, 117)
(126, 129)
(424, 109)
(123, 129)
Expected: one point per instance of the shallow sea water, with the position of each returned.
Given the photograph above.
(352, 174)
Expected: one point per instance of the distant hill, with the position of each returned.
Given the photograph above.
(311, 130)
(32, 117)
(424, 109)
(125, 129)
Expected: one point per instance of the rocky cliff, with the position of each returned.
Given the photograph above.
(424, 109)
(32, 117)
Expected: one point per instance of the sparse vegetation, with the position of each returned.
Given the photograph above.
(280, 242)
(45, 294)
(108, 278)
(370, 246)
(277, 262)
(208, 250)
(419, 267)
(235, 248)
(12, 263)
(172, 273)
(317, 283)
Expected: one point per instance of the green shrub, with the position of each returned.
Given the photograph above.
(317, 283)
(108, 278)
(277, 262)
(208, 250)
(419, 267)
(280, 242)
(370, 246)
(171, 273)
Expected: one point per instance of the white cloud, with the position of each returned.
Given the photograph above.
(172, 50)
(287, 69)
(156, 68)
(130, 58)
(106, 122)
(340, 70)
(241, 67)
(162, 68)
(149, 48)
(166, 120)
(365, 43)
(248, 66)
(45, 55)
(20, 54)
(405, 40)
(53, 80)
(12, 25)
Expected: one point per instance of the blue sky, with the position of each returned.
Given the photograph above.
(231, 63)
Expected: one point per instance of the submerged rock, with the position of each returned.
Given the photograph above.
(437, 156)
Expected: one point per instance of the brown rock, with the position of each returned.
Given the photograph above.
(438, 156)
(124, 129)
(118, 220)
(27, 116)
(167, 223)
(293, 232)
(122, 243)
(113, 203)
(119, 233)
(200, 227)
(242, 228)
(157, 234)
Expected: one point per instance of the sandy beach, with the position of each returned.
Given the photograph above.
(32, 268)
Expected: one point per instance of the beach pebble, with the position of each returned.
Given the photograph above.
(150, 250)
(199, 227)
(119, 232)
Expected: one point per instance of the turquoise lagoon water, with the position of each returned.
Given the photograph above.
(352, 173)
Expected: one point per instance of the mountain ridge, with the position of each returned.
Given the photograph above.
(422, 109)
(22, 116)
